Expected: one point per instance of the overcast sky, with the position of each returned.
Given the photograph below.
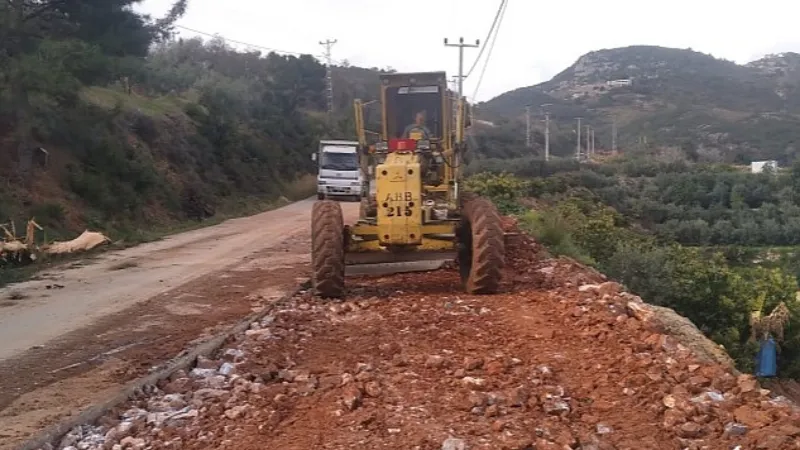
(536, 40)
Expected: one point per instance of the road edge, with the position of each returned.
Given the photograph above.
(61, 262)
(49, 437)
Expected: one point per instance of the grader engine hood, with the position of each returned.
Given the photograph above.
(398, 193)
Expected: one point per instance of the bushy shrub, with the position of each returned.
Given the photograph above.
(503, 189)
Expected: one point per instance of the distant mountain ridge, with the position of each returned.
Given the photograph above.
(713, 108)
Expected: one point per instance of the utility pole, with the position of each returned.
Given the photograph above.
(528, 126)
(588, 133)
(461, 45)
(546, 131)
(328, 44)
(547, 136)
(614, 135)
(578, 144)
(454, 104)
(593, 130)
(455, 82)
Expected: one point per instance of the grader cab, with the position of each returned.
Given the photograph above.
(414, 210)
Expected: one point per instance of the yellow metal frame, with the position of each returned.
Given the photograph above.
(358, 106)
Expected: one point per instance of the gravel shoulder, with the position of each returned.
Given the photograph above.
(75, 334)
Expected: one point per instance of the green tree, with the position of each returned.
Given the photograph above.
(48, 44)
(504, 189)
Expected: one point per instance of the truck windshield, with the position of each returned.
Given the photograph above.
(339, 161)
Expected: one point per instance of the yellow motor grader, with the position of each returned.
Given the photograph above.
(413, 209)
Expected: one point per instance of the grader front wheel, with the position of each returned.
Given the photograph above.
(327, 249)
(481, 250)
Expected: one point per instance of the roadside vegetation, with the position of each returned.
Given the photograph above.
(713, 243)
(110, 123)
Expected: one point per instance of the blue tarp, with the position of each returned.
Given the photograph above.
(766, 359)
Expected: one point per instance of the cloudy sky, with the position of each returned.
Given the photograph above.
(536, 39)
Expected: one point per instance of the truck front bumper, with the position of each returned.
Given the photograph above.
(333, 190)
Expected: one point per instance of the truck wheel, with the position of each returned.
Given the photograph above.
(327, 249)
(481, 249)
(320, 196)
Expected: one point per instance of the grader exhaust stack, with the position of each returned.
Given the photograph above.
(415, 215)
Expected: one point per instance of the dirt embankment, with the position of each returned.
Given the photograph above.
(559, 360)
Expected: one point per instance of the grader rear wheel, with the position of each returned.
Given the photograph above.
(327, 249)
(481, 250)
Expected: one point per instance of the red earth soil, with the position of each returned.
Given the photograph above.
(560, 359)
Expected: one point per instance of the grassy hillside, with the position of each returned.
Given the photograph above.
(145, 132)
(715, 110)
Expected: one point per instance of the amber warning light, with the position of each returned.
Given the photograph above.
(402, 144)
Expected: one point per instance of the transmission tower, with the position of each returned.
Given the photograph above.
(328, 44)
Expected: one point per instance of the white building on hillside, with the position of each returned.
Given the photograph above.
(758, 166)
(617, 83)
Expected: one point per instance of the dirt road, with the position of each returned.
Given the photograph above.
(74, 334)
(558, 360)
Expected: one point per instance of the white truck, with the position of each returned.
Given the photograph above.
(339, 174)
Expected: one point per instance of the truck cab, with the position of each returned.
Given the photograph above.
(339, 174)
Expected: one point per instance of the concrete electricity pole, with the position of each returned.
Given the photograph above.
(578, 143)
(588, 133)
(455, 82)
(328, 44)
(593, 141)
(614, 135)
(546, 131)
(547, 136)
(454, 88)
(461, 45)
(528, 126)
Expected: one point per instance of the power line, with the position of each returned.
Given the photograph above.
(491, 48)
(486, 42)
(260, 47)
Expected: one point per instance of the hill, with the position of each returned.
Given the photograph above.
(712, 108)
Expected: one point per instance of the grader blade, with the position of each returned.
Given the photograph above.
(393, 267)
(384, 263)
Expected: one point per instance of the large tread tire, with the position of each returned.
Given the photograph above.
(481, 255)
(327, 249)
